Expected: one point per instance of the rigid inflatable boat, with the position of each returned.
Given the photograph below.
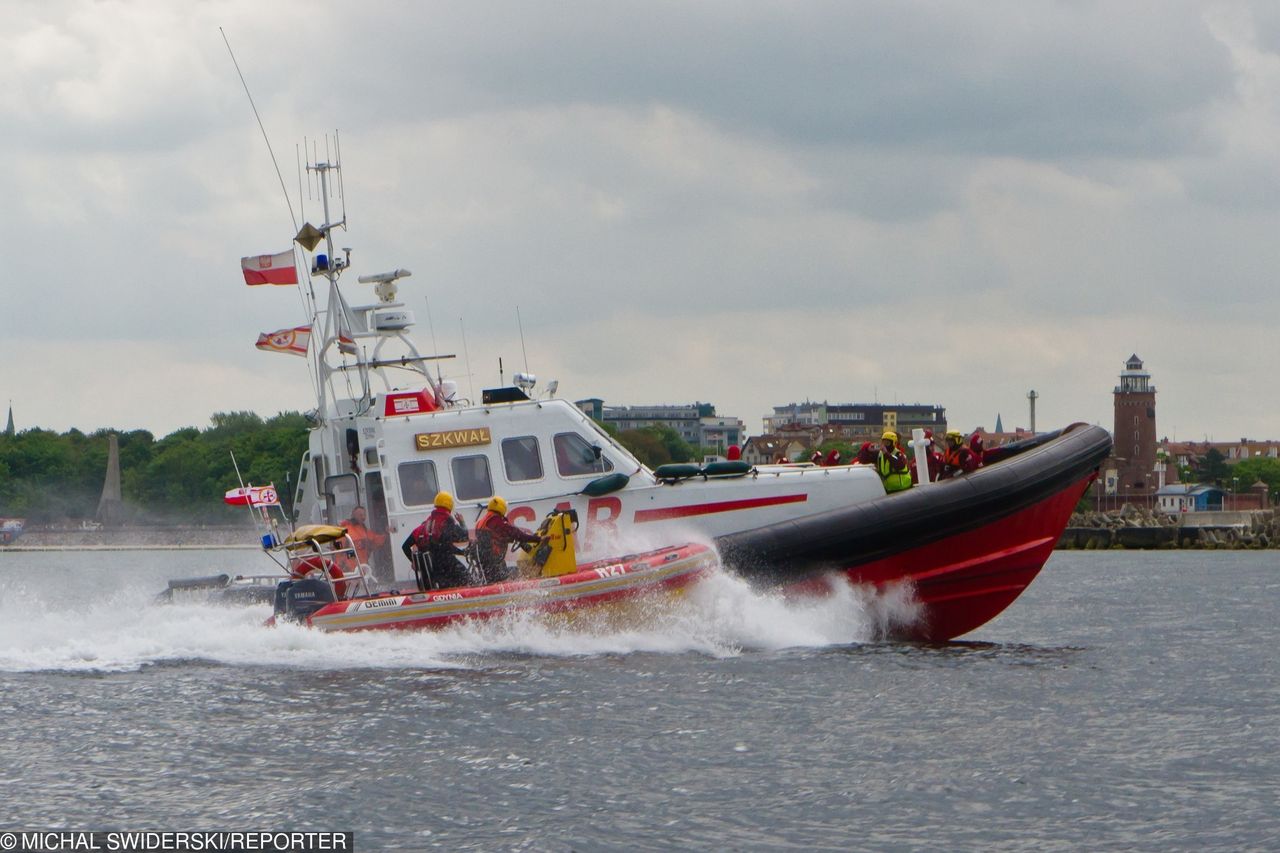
(967, 546)
(551, 581)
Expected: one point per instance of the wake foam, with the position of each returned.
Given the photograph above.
(722, 616)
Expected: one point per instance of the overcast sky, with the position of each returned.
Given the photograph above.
(741, 203)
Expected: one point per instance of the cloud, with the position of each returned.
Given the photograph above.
(749, 204)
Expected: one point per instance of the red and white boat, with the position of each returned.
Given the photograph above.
(395, 435)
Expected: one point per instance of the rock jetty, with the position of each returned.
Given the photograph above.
(1139, 527)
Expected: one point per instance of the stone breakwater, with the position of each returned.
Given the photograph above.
(1138, 527)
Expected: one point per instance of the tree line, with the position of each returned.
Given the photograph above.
(57, 478)
(49, 477)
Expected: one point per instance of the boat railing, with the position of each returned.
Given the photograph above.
(357, 577)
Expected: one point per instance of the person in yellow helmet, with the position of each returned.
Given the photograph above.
(494, 534)
(891, 464)
(432, 548)
(957, 459)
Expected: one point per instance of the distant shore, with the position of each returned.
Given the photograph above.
(167, 538)
(30, 548)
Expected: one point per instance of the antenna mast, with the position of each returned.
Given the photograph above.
(520, 323)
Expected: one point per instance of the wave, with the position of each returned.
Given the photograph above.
(125, 630)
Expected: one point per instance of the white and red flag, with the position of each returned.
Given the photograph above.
(253, 496)
(269, 269)
(293, 341)
(347, 344)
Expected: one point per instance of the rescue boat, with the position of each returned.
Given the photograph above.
(552, 583)
(387, 434)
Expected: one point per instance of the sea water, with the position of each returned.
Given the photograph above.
(1126, 700)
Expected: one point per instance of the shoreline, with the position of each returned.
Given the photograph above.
(134, 547)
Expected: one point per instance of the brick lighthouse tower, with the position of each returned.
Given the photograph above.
(1135, 432)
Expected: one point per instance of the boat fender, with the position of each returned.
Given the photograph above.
(731, 468)
(297, 600)
(606, 484)
(677, 471)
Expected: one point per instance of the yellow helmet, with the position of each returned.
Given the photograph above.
(956, 434)
(498, 505)
(889, 434)
(444, 500)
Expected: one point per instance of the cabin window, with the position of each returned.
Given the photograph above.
(521, 460)
(418, 483)
(574, 456)
(471, 478)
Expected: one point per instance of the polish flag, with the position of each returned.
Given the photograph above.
(293, 341)
(269, 269)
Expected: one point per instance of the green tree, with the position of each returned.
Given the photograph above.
(1213, 467)
(47, 477)
(1250, 471)
(646, 446)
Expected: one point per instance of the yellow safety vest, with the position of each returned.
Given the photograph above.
(894, 481)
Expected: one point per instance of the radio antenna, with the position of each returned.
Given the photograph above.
(435, 348)
(471, 383)
(261, 127)
(522, 350)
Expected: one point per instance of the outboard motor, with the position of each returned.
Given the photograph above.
(297, 600)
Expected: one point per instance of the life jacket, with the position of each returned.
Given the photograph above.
(489, 536)
(894, 481)
(431, 533)
(960, 458)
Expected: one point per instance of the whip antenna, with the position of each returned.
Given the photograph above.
(261, 127)
(434, 346)
(520, 323)
(471, 384)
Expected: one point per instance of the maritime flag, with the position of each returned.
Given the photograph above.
(293, 341)
(269, 269)
(253, 496)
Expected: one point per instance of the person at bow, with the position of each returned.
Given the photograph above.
(891, 464)
(957, 458)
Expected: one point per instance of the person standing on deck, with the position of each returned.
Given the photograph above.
(432, 548)
(367, 541)
(957, 459)
(891, 464)
(494, 534)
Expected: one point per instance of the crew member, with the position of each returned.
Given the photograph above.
(957, 459)
(367, 541)
(816, 458)
(891, 464)
(833, 459)
(494, 534)
(866, 454)
(433, 549)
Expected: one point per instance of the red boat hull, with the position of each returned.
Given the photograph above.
(966, 580)
(966, 547)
